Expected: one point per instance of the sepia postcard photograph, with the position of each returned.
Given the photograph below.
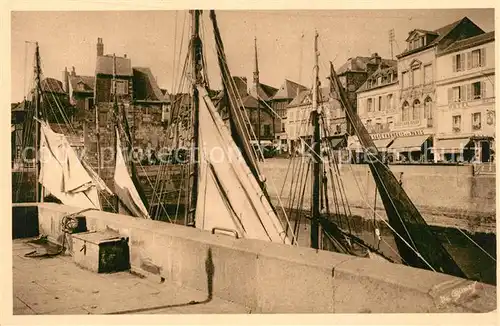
(250, 161)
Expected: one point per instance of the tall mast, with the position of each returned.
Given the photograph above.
(38, 90)
(197, 63)
(97, 131)
(316, 112)
(115, 111)
(257, 86)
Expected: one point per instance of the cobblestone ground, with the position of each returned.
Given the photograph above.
(57, 286)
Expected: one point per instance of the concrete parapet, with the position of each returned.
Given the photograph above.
(276, 278)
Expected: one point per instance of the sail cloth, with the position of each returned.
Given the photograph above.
(229, 197)
(124, 187)
(61, 172)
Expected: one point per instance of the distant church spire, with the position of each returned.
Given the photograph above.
(256, 70)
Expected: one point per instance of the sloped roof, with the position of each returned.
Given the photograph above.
(360, 64)
(305, 97)
(288, 90)
(17, 107)
(250, 102)
(145, 86)
(381, 72)
(470, 42)
(104, 66)
(88, 83)
(265, 92)
(52, 85)
(442, 32)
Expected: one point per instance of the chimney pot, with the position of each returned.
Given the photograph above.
(100, 47)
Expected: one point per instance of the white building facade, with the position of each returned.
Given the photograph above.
(466, 100)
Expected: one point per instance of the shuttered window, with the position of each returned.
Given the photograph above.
(458, 62)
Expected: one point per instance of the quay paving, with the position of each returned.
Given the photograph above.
(57, 286)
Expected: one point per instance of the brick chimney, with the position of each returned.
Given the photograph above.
(100, 47)
(375, 59)
(73, 73)
(65, 80)
(373, 63)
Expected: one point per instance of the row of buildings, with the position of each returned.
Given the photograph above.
(75, 98)
(435, 103)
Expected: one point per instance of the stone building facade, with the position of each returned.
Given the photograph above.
(465, 88)
(377, 108)
(279, 102)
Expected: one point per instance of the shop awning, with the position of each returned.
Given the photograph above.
(12, 128)
(455, 145)
(353, 144)
(409, 144)
(337, 142)
(382, 144)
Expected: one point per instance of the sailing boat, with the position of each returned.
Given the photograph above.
(60, 172)
(417, 244)
(325, 232)
(225, 193)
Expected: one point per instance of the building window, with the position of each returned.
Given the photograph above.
(457, 123)
(267, 130)
(476, 58)
(379, 81)
(459, 62)
(369, 105)
(405, 82)
(282, 127)
(428, 108)
(476, 121)
(121, 87)
(390, 123)
(368, 125)
(416, 110)
(428, 74)
(389, 102)
(416, 77)
(476, 90)
(405, 112)
(89, 103)
(456, 94)
(380, 103)
(378, 127)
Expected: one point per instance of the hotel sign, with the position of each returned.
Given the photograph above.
(395, 134)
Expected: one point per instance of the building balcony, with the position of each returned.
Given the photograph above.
(476, 126)
(418, 90)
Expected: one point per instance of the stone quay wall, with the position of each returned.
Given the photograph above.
(437, 190)
(272, 277)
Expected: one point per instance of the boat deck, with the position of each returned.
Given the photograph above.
(58, 286)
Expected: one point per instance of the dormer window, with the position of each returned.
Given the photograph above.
(416, 43)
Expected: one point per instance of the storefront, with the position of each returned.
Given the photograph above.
(412, 148)
(464, 149)
(358, 153)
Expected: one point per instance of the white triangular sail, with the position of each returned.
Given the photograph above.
(229, 197)
(124, 186)
(61, 172)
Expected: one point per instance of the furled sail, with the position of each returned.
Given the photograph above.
(124, 187)
(61, 172)
(417, 244)
(229, 196)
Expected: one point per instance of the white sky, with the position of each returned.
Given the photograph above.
(147, 37)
